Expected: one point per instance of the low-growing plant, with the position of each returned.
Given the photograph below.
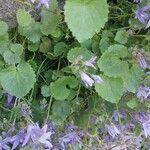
(78, 78)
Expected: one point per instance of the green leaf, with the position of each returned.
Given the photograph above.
(23, 18)
(4, 46)
(111, 89)
(59, 88)
(110, 62)
(132, 103)
(122, 36)
(33, 47)
(86, 17)
(82, 120)
(60, 48)
(78, 52)
(45, 91)
(50, 20)
(3, 28)
(104, 44)
(45, 45)
(132, 78)
(4, 38)
(13, 55)
(61, 109)
(32, 32)
(53, 6)
(19, 80)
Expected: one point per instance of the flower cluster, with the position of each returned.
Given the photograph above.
(142, 15)
(35, 137)
(89, 80)
(33, 134)
(144, 119)
(143, 92)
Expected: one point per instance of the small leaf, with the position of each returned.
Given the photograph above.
(82, 120)
(75, 53)
(13, 56)
(111, 89)
(4, 46)
(45, 91)
(132, 78)
(122, 36)
(86, 17)
(104, 44)
(33, 47)
(61, 109)
(45, 45)
(23, 18)
(60, 48)
(132, 103)
(3, 28)
(18, 81)
(59, 88)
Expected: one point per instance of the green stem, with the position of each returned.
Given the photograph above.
(5, 108)
(118, 114)
(49, 108)
(37, 76)
(12, 113)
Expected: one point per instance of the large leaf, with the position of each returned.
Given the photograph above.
(59, 88)
(19, 80)
(85, 17)
(110, 62)
(111, 89)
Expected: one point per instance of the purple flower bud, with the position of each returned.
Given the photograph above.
(131, 32)
(146, 128)
(137, 1)
(91, 62)
(141, 15)
(115, 114)
(86, 79)
(141, 116)
(144, 119)
(112, 130)
(9, 101)
(148, 72)
(50, 126)
(4, 143)
(93, 119)
(44, 2)
(70, 138)
(141, 61)
(25, 110)
(70, 128)
(18, 139)
(148, 24)
(143, 92)
(97, 79)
